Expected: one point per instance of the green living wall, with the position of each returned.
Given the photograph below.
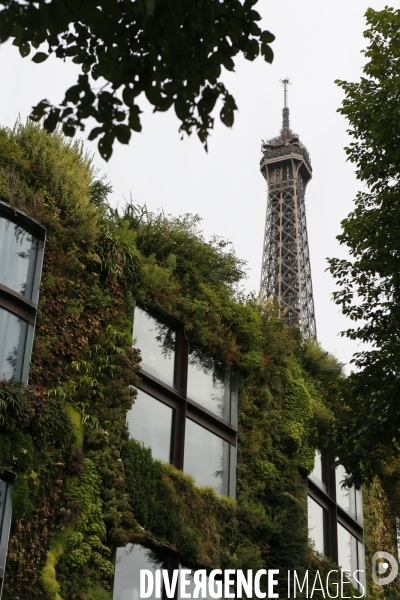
(83, 486)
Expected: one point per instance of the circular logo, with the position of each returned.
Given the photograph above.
(382, 567)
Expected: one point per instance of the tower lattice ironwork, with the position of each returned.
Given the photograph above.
(286, 271)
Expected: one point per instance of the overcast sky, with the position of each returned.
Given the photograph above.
(316, 43)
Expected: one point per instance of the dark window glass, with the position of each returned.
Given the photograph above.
(209, 384)
(319, 472)
(129, 561)
(206, 458)
(150, 421)
(317, 525)
(13, 332)
(18, 251)
(156, 342)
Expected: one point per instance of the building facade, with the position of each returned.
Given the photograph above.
(185, 447)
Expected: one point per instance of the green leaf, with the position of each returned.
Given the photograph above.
(68, 129)
(24, 49)
(227, 115)
(40, 57)
(128, 95)
(267, 37)
(105, 146)
(182, 109)
(153, 95)
(123, 133)
(73, 93)
(39, 110)
(96, 131)
(228, 63)
(134, 120)
(267, 53)
(252, 50)
(52, 120)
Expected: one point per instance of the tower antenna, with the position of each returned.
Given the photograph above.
(285, 111)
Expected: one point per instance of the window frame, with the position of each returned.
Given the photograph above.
(9, 479)
(336, 514)
(13, 301)
(184, 407)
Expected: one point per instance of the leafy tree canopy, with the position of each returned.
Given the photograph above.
(170, 50)
(369, 283)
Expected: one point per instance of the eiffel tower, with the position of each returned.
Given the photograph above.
(286, 272)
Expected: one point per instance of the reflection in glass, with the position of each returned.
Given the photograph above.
(6, 488)
(361, 564)
(12, 345)
(317, 525)
(129, 560)
(156, 342)
(150, 421)
(206, 458)
(18, 251)
(209, 384)
(345, 497)
(347, 551)
(319, 472)
(359, 506)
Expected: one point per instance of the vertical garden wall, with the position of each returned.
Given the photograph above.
(83, 487)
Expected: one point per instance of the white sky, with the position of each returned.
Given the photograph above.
(317, 42)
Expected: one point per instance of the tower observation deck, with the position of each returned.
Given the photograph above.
(286, 271)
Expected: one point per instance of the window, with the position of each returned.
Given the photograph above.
(7, 481)
(186, 410)
(318, 525)
(150, 421)
(335, 517)
(21, 251)
(130, 559)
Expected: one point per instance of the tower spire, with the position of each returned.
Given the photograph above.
(285, 111)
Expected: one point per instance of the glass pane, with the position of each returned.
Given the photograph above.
(206, 458)
(156, 342)
(345, 497)
(18, 250)
(12, 347)
(150, 421)
(361, 564)
(209, 384)
(347, 551)
(359, 506)
(319, 473)
(317, 525)
(129, 561)
(5, 515)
